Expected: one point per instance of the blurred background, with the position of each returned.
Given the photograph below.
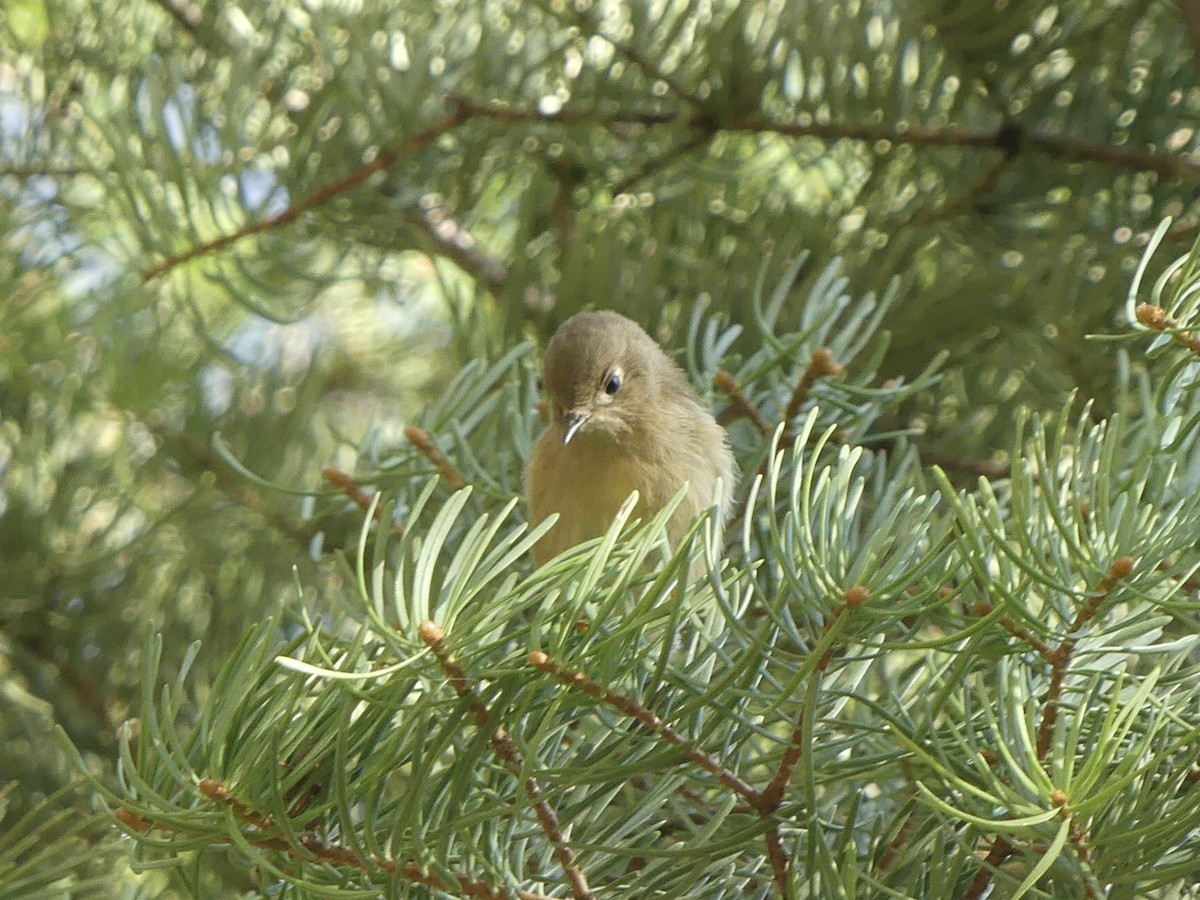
(244, 242)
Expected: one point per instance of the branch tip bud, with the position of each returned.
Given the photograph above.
(211, 788)
(823, 362)
(856, 596)
(132, 820)
(1121, 567)
(1150, 315)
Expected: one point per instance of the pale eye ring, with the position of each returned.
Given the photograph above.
(612, 384)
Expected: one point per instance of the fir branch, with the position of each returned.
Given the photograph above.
(971, 199)
(820, 365)
(1044, 650)
(742, 406)
(421, 439)
(1191, 16)
(454, 242)
(506, 748)
(769, 798)
(24, 171)
(999, 139)
(1000, 851)
(229, 485)
(1060, 659)
(649, 720)
(667, 158)
(894, 845)
(385, 160)
(648, 68)
(465, 109)
(85, 689)
(1156, 317)
(187, 15)
(643, 716)
(352, 489)
(333, 854)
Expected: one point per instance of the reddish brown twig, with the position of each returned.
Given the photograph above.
(230, 484)
(1191, 16)
(662, 161)
(1060, 659)
(352, 489)
(820, 365)
(86, 690)
(329, 853)
(132, 820)
(385, 160)
(769, 798)
(983, 608)
(506, 748)
(765, 802)
(213, 790)
(999, 138)
(636, 711)
(655, 725)
(894, 845)
(1156, 317)
(1001, 850)
(1191, 583)
(421, 439)
(453, 241)
(726, 384)
(971, 199)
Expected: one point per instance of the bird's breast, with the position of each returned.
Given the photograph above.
(585, 482)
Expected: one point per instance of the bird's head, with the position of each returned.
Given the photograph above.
(604, 374)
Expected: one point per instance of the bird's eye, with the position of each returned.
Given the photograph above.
(613, 384)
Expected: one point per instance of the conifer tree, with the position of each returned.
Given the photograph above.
(276, 277)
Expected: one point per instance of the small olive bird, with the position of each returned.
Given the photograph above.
(623, 417)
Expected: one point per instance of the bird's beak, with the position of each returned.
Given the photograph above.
(575, 420)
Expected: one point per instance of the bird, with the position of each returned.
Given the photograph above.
(623, 418)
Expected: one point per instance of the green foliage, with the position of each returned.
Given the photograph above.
(52, 851)
(887, 678)
(244, 246)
